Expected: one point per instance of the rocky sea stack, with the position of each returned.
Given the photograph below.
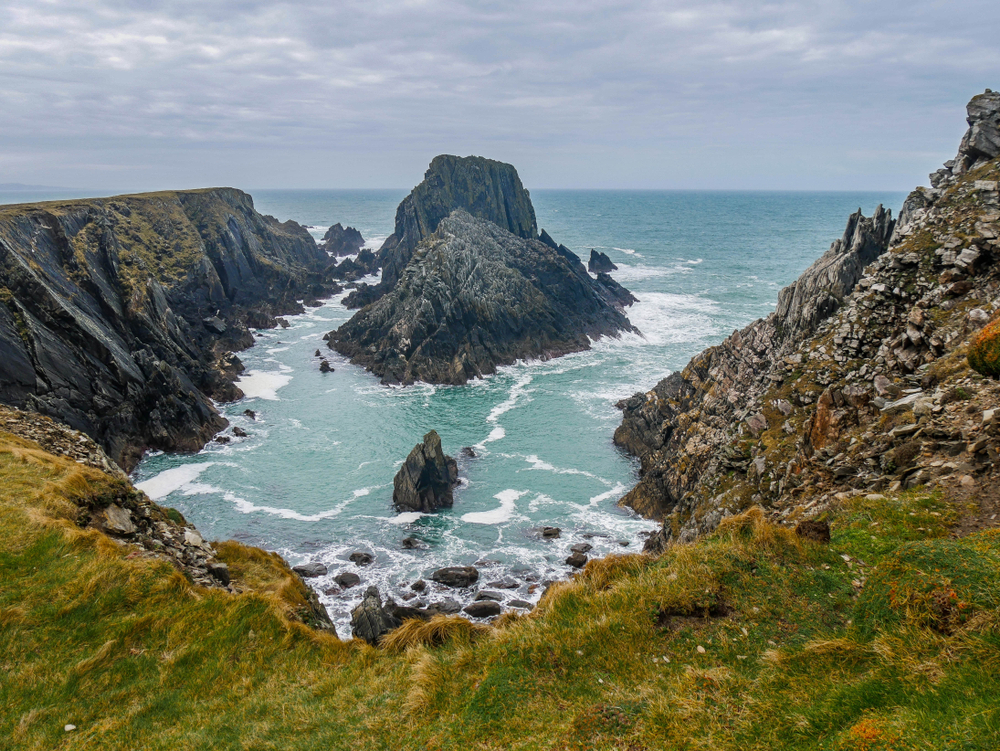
(467, 286)
(342, 241)
(426, 479)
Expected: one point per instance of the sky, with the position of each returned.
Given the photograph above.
(830, 95)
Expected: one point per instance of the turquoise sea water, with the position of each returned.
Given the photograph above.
(314, 478)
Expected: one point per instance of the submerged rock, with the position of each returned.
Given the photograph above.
(361, 558)
(369, 620)
(599, 263)
(426, 479)
(347, 579)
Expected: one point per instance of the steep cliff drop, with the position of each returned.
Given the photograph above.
(119, 316)
(467, 285)
(855, 383)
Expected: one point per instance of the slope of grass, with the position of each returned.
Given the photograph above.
(751, 639)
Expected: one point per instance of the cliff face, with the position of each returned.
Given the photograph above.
(118, 315)
(475, 296)
(856, 383)
(484, 188)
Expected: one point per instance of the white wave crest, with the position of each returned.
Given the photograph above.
(169, 480)
(508, 503)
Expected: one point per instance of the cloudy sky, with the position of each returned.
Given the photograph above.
(829, 94)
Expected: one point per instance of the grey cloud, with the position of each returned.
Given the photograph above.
(110, 94)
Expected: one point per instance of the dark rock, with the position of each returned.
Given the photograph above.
(600, 263)
(411, 543)
(456, 576)
(446, 606)
(324, 367)
(582, 547)
(426, 479)
(342, 241)
(370, 621)
(982, 141)
(239, 432)
(364, 294)
(419, 585)
(361, 558)
(220, 571)
(347, 579)
(407, 612)
(483, 609)
(223, 439)
(485, 594)
(310, 570)
(215, 324)
(577, 560)
(521, 604)
(283, 323)
(250, 413)
(624, 543)
(317, 353)
(508, 582)
(469, 452)
(812, 529)
(551, 533)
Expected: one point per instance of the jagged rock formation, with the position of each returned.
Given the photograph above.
(599, 263)
(426, 479)
(857, 382)
(485, 188)
(370, 621)
(117, 315)
(350, 270)
(475, 296)
(342, 241)
(981, 142)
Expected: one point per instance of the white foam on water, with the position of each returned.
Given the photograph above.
(169, 480)
(263, 384)
(276, 350)
(666, 318)
(508, 503)
(406, 517)
(540, 464)
(628, 251)
(617, 490)
(695, 261)
(495, 435)
(516, 392)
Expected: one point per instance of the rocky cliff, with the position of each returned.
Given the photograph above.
(119, 316)
(484, 188)
(475, 296)
(856, 383)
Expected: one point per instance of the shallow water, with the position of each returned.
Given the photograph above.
(314, 478)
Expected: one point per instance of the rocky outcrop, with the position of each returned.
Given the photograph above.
(351, 269)
(679, 429)
(484, 188)
(425, 481)
(476, 296)
(599, 263)
(857, 383)
(980, 144)
(341, 241)
(117, 315)
(370, 621)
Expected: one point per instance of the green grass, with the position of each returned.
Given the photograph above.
(799, 648)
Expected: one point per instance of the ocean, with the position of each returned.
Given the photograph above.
(313, 478)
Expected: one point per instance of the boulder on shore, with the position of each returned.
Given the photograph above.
(370, 621)
(456, 576)
(600, 263)
(426, 479)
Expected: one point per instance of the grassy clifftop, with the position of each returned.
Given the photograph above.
(752, 638)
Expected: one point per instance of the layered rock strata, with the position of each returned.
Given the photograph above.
(475, 296)
(484, 188)
(427, 478)
(599, 263)
(118, 315)
(857, 383)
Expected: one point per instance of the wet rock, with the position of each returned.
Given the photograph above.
(419, 585)
(521, 604)
(310, 570)
(223, 439)
(250, 413)
(456, 576)
(426, 479)
(485, 594)
(215, 324)
(446, 606)
(369, 620)
(508, 582)
(410, 543)
(582, 547)
(408, 612)
(220, 571)
(469, 452)
(599, 263)
(361, 558)
(577, 560)
(483, 609)
(551, 533)
(342, 241)
(118, 521)
(239, 432)
(812, 529)
(324, 367)
(347, 579)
